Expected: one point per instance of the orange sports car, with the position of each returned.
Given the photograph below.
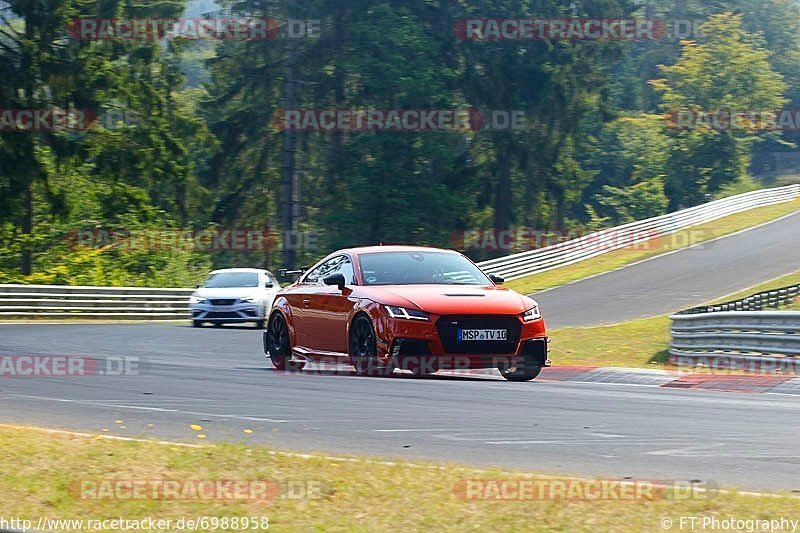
(380, 308)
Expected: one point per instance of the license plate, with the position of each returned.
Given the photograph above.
(482, 334)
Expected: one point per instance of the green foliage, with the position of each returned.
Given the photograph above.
(204, 150)
(634, 163)
(643, 200)
(728, 70)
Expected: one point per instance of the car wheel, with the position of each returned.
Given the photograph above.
(280, 349)
(197, 323)
(518, 373)
(363, 349)
(217, 324)
(260, 324)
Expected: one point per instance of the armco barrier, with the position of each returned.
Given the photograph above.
(756, 302)
(566, 253)
(63, 301)
(739, 327)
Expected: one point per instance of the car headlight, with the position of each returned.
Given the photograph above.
(532, 314)
(408, 314)
(248, 299)
(196, 300)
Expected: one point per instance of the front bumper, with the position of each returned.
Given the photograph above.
(431, 344)
(236, 312)
(408, 354)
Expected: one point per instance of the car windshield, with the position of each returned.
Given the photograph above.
(413, 268)
(232, 279)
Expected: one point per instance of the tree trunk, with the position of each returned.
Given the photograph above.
(28, 161)
(502, 199)
(289, 155)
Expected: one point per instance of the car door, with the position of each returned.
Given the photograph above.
(329, 308)
(302, 296)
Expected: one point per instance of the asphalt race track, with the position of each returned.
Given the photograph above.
(679, 280)
(217, 378)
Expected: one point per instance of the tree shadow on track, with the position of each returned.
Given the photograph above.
(347, 371)
(245, 326)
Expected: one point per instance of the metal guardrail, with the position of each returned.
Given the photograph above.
(67, 301)
(756, 302)
(600, 242)
(739, 327)
(64, 301)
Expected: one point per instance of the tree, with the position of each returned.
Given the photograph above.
(111, 172)
(728, 70)
(633, 156)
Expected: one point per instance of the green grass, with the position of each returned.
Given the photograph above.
(787, 179)
(640, 343)
(354, 495)
(626, 256)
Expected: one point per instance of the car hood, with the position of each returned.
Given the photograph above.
(453, 299)
(229, 292)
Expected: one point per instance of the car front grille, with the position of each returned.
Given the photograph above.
(223, 315)
(222, 302)
(448, 327)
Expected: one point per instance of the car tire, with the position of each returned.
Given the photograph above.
(197, 323)
(279, 345)
(217, 324)
(518, 373)
(363, 349)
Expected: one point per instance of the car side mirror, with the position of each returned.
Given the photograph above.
(497, 279)
(268, 284)
(335, 279)
(197, 286)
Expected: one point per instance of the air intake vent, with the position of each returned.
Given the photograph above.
(448, 327)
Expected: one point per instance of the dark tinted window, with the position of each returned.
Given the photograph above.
(407, 268)
(232, 279)
(346, 269)
(325, 269)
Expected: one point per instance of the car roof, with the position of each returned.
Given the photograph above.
(238, 270)
(393, 248)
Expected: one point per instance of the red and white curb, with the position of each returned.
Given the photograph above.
(710, 380)
(729, 382)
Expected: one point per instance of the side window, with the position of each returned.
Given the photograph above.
(269, 277)
(328, 267)
(346, 268)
